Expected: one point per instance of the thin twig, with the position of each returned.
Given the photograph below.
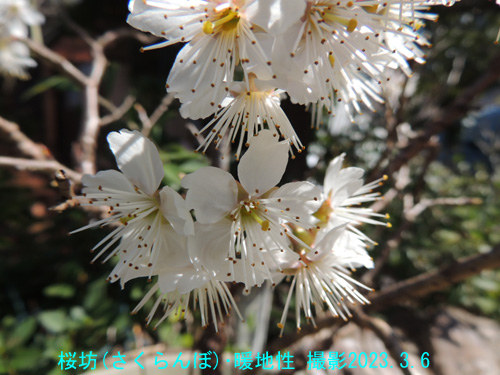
(23, 143)
(46, 166)
(85, 147)
(119, 112)
(161, 109)
(149, 121)
(60, 62)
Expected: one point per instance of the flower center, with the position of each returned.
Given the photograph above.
(324, 212)
(227, 20)
(249, 210)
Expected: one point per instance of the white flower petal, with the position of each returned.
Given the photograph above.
(345, 184)
(264, 163)
(209, 247)
(275, 16)
(173, 207)
(200, 75)
(326, 244)
(138, 159)
(184, 280)
(173, 249)
(340, 184)
(331, 172)
(150, 16)
(302, 198)
(110, 179)
(212, 193)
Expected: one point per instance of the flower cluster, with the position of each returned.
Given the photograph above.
(15, 18)
(240, 55)
(244, 231)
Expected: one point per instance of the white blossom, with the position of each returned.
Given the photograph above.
(327, 50)
(255, 207)
(14, 58)
(321, 278)
(147, 221)
(15, 18)
(344, 191)
(220, 35)
(247, 112)
(16, 15)
(180, 283)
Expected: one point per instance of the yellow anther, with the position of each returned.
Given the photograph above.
(418, 25)
(385, 177)
(226, 16)
(208, 27)
(265, 225)
(387, 216)
(351, 25)
(332, 60)
(389, 225)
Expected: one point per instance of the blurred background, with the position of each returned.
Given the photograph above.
(437, 137)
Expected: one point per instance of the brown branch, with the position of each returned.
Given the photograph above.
(45, 166)
(87, 141)
(60, 62)
(161, 109)
(149, 121)
(85, 147)
(118, 112)
(435, 280)
(23, 143)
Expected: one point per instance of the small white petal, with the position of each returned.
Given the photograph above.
(345, 184)
(303, 197)
(209, 247)
(184, 280)
(275, 16)
(110, 179)
(138, 159)
(327, 243)
(264, 163)
(212, 193)
(150, 17)
(173, 207)
(331, 172)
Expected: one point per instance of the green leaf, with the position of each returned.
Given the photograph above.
(54, 321)
(486, 284)
(78, 313)
(96, 294)
(23, 332)
(487, 305)
(59, 290)
(26, 359)
(59, 82)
